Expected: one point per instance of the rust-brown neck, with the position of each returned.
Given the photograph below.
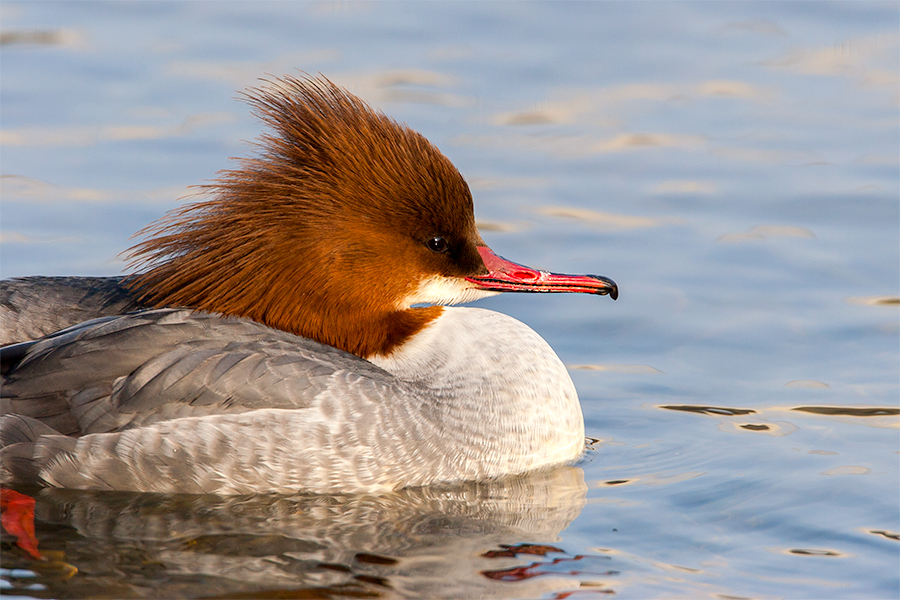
(346, 321)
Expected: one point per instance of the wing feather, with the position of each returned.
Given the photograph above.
(118, 373)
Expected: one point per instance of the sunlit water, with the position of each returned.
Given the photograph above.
(734, 167)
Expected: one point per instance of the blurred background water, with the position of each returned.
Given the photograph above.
(735, 167)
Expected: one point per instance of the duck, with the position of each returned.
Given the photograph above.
(293, 331)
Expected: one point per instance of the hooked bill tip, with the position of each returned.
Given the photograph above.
(612, 289)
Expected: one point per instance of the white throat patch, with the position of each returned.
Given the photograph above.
(443, 290)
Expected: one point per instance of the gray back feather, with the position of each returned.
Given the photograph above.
(32, 307)
(113, 374)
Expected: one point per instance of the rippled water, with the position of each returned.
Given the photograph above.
(733, 166)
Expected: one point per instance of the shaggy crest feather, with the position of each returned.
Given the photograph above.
(317, 188)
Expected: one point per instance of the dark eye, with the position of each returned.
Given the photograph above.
(437, 244)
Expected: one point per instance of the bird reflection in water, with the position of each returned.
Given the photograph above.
(418, 542)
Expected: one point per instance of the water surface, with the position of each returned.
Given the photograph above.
(733, 166)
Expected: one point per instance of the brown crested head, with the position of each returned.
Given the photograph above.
(341, 220)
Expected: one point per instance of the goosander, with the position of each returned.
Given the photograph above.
(272, 340)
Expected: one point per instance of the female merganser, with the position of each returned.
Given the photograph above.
(277, 346)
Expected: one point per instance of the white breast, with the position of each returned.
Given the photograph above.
(504, 397)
